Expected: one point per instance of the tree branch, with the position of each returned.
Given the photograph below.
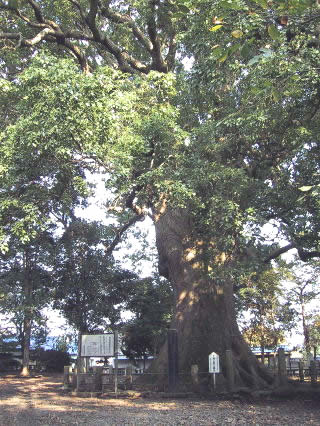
(51, 32)
(170, 58)
(91, 17)
(81, 58)
(121, 231)
(303, 254)
(158, 63)
(27, 42)
(276, 253)
(126, 19)
(81, 12)
(307, 255)
(37, 11)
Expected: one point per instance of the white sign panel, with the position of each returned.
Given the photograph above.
(214, 363)
(97, 345)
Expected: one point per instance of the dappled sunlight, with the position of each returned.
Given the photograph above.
(179, 316)
(42, 401)
(188, 297)
(182, 295)
(193, 253)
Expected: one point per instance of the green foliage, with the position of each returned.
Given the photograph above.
(304, 291)
(151, 304)
(67, 122)
(53, 360)
(25, 280)
(64, 343)
(268, 313)
(89, 288)
(259, 113)
(314, 332)
(211, 141)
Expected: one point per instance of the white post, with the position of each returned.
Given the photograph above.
(214, 367)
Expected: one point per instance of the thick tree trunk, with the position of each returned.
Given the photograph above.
(205, 315)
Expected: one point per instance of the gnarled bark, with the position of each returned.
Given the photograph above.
(205, 315)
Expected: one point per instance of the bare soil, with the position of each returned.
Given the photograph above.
(42, 401)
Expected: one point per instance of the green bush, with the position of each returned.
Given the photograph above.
(53, 360)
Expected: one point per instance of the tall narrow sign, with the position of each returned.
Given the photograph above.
(214, 366)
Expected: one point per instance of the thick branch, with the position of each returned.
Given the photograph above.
(78, 54)
(126, 62)
(37, 11)
(91, 18)
(170, 58)
(303, 254)
(51, 31)
(158, 63)
(276, 253)
(49, 35)
(28, 42)
(121, 231)
(126, 19)
(81, 12)
(307, 255)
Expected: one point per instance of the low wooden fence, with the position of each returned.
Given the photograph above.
(305, 374)
(98, 380)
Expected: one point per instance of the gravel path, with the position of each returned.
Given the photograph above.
(41, 401)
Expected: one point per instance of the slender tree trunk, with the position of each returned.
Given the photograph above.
(305, 327)
(27, 320)
(262, 352)
(26, 345)
(205, 317)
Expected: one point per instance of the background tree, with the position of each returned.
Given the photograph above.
(314, 334)
(211, 162)
(268, 312)
(304, 292)
(90, 289)
(53, 360)
(151, 304)
(26, 280)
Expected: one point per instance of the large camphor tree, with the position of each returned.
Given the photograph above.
(210, 154)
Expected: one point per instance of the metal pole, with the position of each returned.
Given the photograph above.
(116, 363)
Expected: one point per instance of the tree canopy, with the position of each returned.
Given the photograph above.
(210, 139)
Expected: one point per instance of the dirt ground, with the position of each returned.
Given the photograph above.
(42, 401)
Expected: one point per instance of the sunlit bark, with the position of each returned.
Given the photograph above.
(205, 316)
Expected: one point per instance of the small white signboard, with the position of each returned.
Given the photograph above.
(214, 363)
(97, 345)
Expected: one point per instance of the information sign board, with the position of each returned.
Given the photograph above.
(214, 363)
(97, 345)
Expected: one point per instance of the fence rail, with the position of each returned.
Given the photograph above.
(98, 380)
